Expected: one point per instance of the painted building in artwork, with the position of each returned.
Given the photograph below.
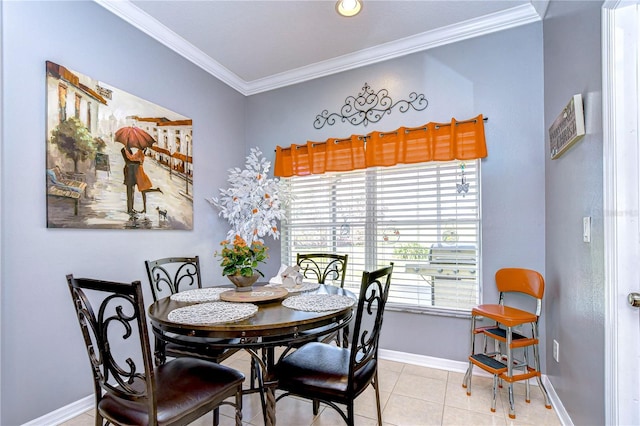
(70, 95)
(174, 139)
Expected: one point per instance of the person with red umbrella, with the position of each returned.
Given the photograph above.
(134, 174)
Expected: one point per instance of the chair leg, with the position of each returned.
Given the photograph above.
(375, 386)
(239, 407)
(216, 416)
(253, 374)
(351, 420)
(316, 407)
(263, 401)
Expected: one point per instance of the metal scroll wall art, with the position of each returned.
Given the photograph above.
(369, 107)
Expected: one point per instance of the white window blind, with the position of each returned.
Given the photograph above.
(417, 216)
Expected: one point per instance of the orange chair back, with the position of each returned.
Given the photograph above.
(521, 280)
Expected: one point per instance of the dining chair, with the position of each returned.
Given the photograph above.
(325, 268)
(168, 276)
(171, 275)
(336, 375)
(128, 389)
(501, 360)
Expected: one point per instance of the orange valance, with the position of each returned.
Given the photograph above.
(457, 140)
(334, 155)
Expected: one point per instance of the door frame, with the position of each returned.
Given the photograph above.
(621, 181)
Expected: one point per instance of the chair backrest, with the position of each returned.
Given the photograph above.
(171, 275)
(374, 292)
(114, 327)
(325, 268)
(521, 280)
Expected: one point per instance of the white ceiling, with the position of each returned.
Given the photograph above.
(255, 46)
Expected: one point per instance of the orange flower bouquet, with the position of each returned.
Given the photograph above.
(238, 258)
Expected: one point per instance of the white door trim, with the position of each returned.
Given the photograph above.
(621, 205)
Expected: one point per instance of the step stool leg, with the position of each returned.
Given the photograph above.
(466, 383)
(512, 407)
(495, 393)
(512, 410)
(536, 361)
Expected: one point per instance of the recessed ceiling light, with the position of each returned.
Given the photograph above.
(348, 8)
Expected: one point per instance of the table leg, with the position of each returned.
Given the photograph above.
(270, 385)
(270, 391)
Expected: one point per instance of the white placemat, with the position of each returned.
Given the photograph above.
(212, 313)
(302, 288)
(318, 302)
(199, 295)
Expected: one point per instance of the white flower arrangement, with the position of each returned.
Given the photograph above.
(252, 204)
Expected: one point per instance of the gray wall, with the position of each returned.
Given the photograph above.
(575, 270)
(498, 75)
(44, 365)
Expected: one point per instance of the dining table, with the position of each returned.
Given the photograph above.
(257, 321)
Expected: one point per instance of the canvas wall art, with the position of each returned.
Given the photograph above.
(114, 161)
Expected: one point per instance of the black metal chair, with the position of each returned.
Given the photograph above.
(168, 276)
(336, 375)
(325, 268)
(128, 389)
(171, 275)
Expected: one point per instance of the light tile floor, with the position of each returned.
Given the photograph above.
(410, 395)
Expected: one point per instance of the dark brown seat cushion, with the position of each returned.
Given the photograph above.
(318, 369)
(183, 384)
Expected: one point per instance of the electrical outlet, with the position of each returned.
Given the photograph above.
(556, 350)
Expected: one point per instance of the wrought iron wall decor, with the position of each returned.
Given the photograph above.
(369, 107)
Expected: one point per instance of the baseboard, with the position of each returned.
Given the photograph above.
(76, 408)
(556, 403)
(65, 413)
(461, 367)
(429, 361)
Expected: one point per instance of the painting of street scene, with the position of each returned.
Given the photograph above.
(114, 161)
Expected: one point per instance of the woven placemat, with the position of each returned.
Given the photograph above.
(199, 295)
(318, 302)
(212, 313)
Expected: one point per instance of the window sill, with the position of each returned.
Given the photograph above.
(441, 312)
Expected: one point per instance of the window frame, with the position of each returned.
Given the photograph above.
(372, 232)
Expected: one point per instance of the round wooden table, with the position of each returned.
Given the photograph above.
(273, 325)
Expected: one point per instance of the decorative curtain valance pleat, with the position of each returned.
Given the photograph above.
(458, 140)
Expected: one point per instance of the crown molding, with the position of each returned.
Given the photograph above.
(147, 24)
(476, 27)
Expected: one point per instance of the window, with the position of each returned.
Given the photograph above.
(77, 106)
(417, 216)
(62, 102)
